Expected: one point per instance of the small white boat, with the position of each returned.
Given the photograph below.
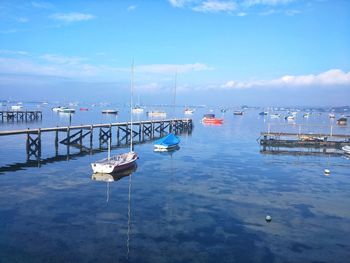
(331, 115)
(237, 112)
(137, 110)
(16, 107)
(290, 118)
(156, 114)
(57, 109)
(189, 111)
(306, 115)
(66, 110)
(114, 164)
(122, 161)
(275, 115)
(346, 149)
(109, 112)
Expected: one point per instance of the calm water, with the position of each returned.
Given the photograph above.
(206, 202)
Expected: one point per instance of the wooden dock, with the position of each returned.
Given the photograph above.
(304, 140)
(20, 115)
(120, 133)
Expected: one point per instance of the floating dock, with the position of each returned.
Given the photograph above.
(275, 142)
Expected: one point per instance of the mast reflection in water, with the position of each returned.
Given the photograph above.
(109, 178)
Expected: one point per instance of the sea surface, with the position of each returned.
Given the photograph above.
(205, 202)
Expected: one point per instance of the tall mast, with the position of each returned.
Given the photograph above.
(132, 94)
(174, 102)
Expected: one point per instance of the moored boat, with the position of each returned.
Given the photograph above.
(17, 107)
(137, 109)
(237, 112)
(66, 110)
(346, 149)
(122, 161)
(167, 143)
(342, 121)
(109, 111)
(210, 119)
(156, 114)
(263, 113)
(189, 111)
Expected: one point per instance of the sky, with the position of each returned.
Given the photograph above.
(221, 52)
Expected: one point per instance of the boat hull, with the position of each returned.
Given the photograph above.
(108, 167)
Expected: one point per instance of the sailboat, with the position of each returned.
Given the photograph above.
(137, 108)
(122, 161)
(170, 141)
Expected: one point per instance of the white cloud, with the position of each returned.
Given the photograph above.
(171, 68)
(22, 20)
(333, 77)
(215, 6)
(42, 5)
(242, 14)
(178, 3)
(72, 17)
(13, 52)
(131, 7)
(266, 2)
(230, 6)
(61, 59)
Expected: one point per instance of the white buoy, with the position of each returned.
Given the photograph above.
(268, 218)
(327, 172)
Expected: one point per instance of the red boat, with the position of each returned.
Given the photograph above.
(84, 109)
(210, 119)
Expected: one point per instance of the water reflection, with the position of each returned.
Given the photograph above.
(109, 178)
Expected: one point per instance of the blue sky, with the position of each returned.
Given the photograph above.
(231, 52)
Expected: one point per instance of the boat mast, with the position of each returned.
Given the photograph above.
(132, 90)
(174, 102)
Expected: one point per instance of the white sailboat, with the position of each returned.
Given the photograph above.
(122, 161)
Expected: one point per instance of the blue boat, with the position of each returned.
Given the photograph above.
(167, 142)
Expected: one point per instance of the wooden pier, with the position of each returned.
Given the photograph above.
(82, 136)
(304, 139)
(20, 115)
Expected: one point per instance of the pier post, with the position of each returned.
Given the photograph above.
(68, 141)
(28, 146)
(91, 136)
(118, 135)
(39, 144)
(56, 141)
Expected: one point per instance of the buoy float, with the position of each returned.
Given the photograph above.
(327, 172)
(268, 218)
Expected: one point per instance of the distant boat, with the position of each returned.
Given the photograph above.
(189, 111)
(237, 112)
(210, 119)
(342, 121)
(66, 110)
(290, 118)
(156, 114)
(346, 149)
(223, 110)
(109, 112)
(263, 113)
(306, 115)
(137, 109)
(331, 115)
(275, 116)
(122, 161)
(16, 107)
(167, 143)
(84, 109)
